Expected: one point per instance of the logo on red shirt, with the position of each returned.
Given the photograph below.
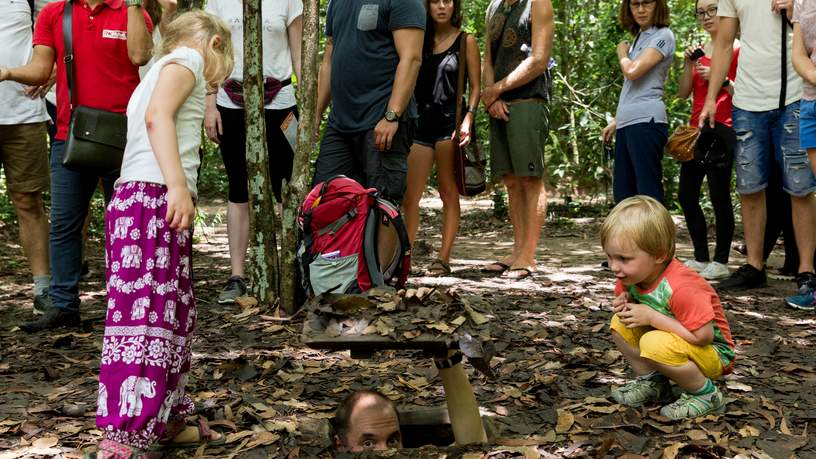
(115, 34)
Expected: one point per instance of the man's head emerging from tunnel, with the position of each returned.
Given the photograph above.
(365, 421)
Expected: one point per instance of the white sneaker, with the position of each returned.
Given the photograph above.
(696, 265)
(715, 270)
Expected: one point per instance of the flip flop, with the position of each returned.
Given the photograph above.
(438, 268)
(497, 267)
(517, 273)
(205, 435)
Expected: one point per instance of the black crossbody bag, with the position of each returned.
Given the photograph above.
(96, 138)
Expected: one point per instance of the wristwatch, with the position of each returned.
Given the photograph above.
(130, 3)
(450, 362)
(391, 116)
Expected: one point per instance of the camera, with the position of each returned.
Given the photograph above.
(698, 53)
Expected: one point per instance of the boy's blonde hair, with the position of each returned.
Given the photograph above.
(642, 221)
(196, 29)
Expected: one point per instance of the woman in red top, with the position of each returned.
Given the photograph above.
(716, 164)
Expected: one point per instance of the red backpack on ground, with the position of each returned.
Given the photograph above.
(339, 222)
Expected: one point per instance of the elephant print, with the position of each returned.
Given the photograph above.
(121, 227)
(137, 311)
(170, 311)
(131, 256)
(162, 257)
(130, 395)
(102, 401)
(167, 405)
(152, 226)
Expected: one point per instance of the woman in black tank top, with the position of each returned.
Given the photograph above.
(435, 94)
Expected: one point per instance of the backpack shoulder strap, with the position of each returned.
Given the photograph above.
(31, 7)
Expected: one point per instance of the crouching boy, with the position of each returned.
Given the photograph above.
(668, 322)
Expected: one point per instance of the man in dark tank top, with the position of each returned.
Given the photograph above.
(517, 92)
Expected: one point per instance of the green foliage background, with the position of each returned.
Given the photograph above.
(586, 89)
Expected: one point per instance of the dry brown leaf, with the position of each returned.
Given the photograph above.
(749, 431)
(531, 452)
(246, 302)
(233, 437)
(45, 442)
(603, 409)
(565, 421)
(670, 452)
(783, 427)
(473, 456)
(263, 439)
(697, 435)
(735, 385)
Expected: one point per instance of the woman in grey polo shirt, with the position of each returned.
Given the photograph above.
(640, 126)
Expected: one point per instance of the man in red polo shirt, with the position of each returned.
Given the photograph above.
(111, 39)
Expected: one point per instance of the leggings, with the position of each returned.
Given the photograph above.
(233, 151)
(719, 190)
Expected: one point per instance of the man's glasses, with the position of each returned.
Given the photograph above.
(711, 11)
(645, 4)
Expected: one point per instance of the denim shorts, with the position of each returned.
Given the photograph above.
(807, 124)
(772, 132)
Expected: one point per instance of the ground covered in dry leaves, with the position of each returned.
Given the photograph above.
(254, 380)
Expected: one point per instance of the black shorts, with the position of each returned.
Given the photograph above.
(355, 156)
(233, 150)
(435, 124)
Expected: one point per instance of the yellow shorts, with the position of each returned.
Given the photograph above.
(669, 349)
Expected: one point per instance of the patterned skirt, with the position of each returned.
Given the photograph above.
(150, 318)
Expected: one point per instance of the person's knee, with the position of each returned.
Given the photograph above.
(27, 204)
(448, 193)
(659, 346)
(512, 182)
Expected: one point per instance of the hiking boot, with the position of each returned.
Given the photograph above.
(234, 288)
(53, 318)
(690, 406)
(744, 278)
(714, 271)
(698, 266)
(653, 387)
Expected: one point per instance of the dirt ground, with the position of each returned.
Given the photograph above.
(254, 381)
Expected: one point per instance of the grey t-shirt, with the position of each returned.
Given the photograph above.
(641, 100)
(364, 58)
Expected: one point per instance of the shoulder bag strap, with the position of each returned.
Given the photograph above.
(31, 7)
(460, 85)
(67, 36)
(784, 54)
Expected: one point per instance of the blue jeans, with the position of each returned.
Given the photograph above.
(762, 136)
(71, 194)
(638, 155)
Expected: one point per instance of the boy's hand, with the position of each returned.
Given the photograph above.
(619, 303)
(636, 315)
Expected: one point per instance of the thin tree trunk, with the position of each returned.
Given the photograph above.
(296, 189)
(263, 248)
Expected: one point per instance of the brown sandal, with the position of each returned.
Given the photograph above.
(438, 268)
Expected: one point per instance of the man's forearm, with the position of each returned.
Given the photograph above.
(462, 408)
(31, 74)
(529, 69)
(139, 41)
(323, 86)
(404, 81)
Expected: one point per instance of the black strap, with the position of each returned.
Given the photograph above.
(784, 54)
(31, 7)
(67, 37)
(460, 83)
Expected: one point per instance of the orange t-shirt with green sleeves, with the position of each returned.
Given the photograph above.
(684, 295)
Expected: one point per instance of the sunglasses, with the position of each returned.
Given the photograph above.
(645, 4)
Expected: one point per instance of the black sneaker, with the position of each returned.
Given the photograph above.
(235, 287)
(42, 303)
(53, 318)
(806, 282)
(744, 278)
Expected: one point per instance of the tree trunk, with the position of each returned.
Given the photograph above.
(295, 190)
(263, 246)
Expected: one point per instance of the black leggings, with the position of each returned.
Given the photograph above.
(719, 189)
(233, 151)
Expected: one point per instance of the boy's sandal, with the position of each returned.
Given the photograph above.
(205, 436)
(438, 268)
(497, 267)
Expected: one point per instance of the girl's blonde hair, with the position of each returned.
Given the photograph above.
(643, 221)
(196, 30)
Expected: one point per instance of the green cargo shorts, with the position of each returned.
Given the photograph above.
(517, 146)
